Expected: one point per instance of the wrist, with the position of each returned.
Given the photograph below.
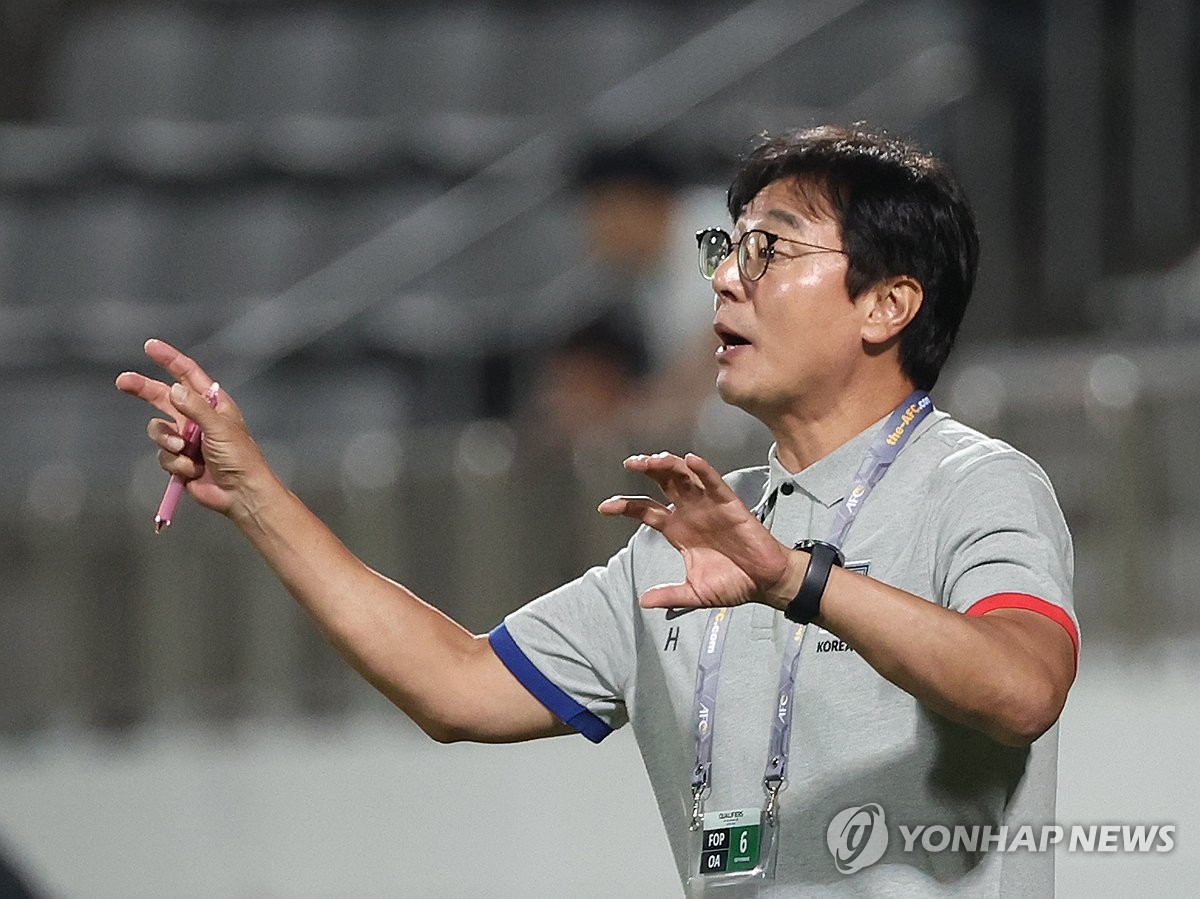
(805, 607)
(784, 590)
(255, 500)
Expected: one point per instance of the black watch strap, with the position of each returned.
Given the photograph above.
(807, 604)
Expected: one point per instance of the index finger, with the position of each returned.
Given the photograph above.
(662, 466)
(182, 368)
(709, 476)
(668, 471)
(156, 393)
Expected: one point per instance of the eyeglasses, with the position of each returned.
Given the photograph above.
(755, 251)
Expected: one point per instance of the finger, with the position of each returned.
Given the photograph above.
(667, 470)
(182, 368)
(156, 393)
(671, 596)
(173, 463)
(709, 477)
(676, 469)
(658, 462)
(195, 406)
(640, 508)
(165, 435)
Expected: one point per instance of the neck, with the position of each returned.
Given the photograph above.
(804, 436)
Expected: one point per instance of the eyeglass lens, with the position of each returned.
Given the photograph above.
(714, 247)
(754, 252)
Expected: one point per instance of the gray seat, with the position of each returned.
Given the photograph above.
(117, 62)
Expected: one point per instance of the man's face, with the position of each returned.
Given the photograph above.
(794, 333)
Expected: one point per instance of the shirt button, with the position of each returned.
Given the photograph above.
(786, 488)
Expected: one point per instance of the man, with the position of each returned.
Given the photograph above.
(905, 670)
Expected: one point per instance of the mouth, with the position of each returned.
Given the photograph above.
(730, 339)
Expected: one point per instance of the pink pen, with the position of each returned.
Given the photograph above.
(191, 449)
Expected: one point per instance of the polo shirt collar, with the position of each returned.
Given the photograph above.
(828, 479)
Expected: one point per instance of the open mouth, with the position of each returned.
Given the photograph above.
(729, 338)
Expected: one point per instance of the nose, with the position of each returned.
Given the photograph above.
(727, 282)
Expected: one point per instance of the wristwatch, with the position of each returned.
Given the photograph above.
(822, 557)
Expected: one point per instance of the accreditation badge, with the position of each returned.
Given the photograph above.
(732, 853)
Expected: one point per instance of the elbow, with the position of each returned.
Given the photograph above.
(1029, 716)
(440, 729)
(433, 719)
(442, 734)
(1019, 735)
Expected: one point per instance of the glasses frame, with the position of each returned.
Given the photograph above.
(743, 253)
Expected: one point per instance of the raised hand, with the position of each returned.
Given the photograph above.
(729, 556)
(222, 477)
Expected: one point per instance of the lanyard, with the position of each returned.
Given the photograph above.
(886, 446)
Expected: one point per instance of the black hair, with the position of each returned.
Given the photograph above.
(900, 212)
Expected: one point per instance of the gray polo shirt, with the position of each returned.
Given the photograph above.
(960, 519)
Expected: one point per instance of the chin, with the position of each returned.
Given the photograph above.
(724, 390)
(743, 399)
(761, 403)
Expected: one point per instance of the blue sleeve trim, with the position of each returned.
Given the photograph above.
(548, 694)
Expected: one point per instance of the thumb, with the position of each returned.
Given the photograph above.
(668, 596)
(196, 406)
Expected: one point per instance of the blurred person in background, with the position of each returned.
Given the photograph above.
(589, 382)
(909, 636)
(636, 363)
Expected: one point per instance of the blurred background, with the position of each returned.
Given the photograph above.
(442, 255)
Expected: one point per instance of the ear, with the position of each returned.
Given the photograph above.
(890, 306)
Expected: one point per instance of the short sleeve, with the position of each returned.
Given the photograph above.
(573, 648)
(1003, 541)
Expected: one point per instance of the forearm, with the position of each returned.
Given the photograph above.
(424, 662)
(982, 672)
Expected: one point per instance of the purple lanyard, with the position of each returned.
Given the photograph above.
(884, 449)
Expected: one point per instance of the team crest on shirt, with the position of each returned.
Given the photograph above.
(861, 567)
